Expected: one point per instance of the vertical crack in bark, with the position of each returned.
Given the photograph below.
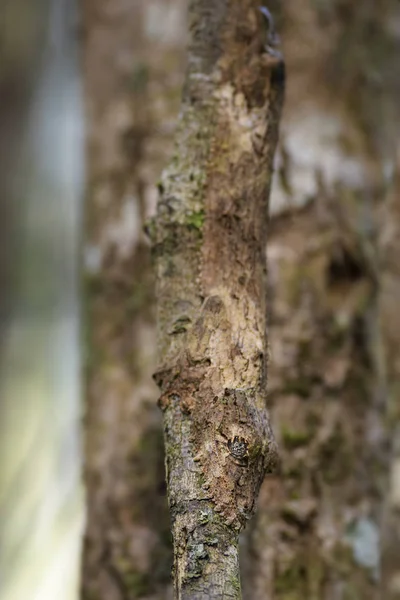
(209, 242)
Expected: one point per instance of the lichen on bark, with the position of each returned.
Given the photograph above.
(211, 291)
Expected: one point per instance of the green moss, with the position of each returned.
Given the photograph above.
(235, 583)
(196, 219)
(254, 451)
(181, 325)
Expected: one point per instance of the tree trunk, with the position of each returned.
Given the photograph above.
(209, 245)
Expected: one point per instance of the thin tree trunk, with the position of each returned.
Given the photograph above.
(209, 246)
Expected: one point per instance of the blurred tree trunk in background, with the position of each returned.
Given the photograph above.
(318, 529)
(334, 293)
(134, 61)
(389, 249)
(41, 182)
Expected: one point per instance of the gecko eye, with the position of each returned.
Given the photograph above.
(238, 448)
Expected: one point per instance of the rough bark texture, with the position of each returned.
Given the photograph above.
(209, 245)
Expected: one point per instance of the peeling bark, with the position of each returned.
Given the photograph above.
(209, 246)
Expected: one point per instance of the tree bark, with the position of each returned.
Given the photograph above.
(209, 246)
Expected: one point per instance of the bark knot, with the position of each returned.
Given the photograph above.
(238, 447)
